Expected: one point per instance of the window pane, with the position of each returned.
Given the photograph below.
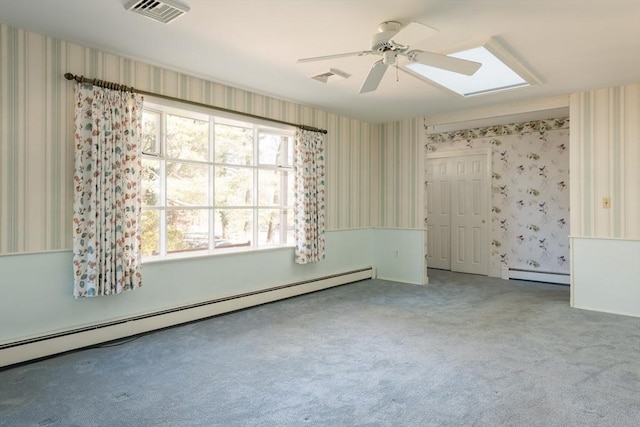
(233, 145)
(150, 232)
(150, 182)
(274, 149)
(187, 138)
(187, 230)
(268, 149)
(290, 233)
(234, 186)
(192, 180)
(269, 187)
(234, 228)
(289, 151)
(290, 190)
(269, 226)
(187, 184)
(150, 132)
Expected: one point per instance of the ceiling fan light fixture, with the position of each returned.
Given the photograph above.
(385, 44)
(391, 26)
(389, 57)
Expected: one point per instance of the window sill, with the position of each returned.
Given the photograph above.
(217, 253)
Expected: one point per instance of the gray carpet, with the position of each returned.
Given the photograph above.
(465, 350)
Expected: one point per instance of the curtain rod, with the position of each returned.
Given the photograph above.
(116, 86)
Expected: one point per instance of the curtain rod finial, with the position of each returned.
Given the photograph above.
(71, 76)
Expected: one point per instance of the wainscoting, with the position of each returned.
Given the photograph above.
(39, 316)
(605, 275)
(29, 349)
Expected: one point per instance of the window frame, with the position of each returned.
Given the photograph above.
(164, 108)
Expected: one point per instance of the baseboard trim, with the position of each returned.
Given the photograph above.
(536, 276)
(395, 279)
(618, 313)
(48, 345)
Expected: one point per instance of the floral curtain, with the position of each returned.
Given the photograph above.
(106, 207)
(309, 208)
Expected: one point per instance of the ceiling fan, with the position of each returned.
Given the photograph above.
(394, 40)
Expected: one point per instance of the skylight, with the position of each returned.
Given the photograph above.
(494, 74)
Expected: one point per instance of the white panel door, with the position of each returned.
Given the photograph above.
(438, 214)
(469, 206)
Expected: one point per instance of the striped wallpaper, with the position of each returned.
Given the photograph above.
(401, 171)
(605, 162)
(372, 169)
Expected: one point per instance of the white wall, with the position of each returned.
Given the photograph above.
(606, 275)
(398, 255)
(36, 291)
(401, 200)
(605, 163)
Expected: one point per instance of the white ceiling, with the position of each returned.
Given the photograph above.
(571, 45)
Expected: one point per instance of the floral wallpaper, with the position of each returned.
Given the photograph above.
(530, 191)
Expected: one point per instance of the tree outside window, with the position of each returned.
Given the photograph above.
(213, 184)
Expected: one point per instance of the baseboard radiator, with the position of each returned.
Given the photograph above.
(48, 345)
(535, 276)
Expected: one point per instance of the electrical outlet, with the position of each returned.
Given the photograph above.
(606, 203)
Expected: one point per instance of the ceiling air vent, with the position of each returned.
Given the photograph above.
(163, 11)
(330, 76)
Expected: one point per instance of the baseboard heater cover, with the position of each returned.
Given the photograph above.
(536, 276)
(48, 345)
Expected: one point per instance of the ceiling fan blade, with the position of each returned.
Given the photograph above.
(449, 63)
(374, 77)
(339, 55)
(413, 33)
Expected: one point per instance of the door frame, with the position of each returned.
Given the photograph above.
(487, 152)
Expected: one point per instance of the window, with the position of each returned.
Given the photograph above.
(499, 71)
(213, 184)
